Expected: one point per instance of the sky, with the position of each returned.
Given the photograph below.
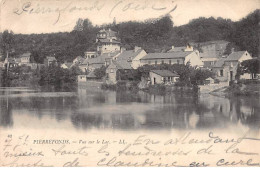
(46, 16)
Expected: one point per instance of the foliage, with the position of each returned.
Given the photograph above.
(100, 72)
(19, 77)
(188, 75)
(54, 76)
(154, 35)
(7, 42)
(250, 66)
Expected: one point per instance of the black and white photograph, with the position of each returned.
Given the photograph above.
(129, 83)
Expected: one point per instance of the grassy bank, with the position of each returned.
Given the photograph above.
(247, 88)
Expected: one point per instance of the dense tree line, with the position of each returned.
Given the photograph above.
(53, 77)
(155, 35)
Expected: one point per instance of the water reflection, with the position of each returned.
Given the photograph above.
(124, 110)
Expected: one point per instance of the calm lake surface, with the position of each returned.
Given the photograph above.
(96, 109)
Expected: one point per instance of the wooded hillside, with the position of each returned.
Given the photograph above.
(153, 35)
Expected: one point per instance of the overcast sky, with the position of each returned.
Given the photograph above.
(45, 16)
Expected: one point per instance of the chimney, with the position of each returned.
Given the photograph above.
(172, 47)
(137, 48)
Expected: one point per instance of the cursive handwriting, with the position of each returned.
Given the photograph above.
(119, 6)
(61, 151)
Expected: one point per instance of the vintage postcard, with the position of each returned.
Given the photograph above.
(129, 83)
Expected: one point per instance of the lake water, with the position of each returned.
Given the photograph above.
(89, 109)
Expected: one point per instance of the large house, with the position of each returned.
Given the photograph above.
(163, 77)
(180, 57)
(48, 61)
(132, 56)
(24, 59)
(114, 70)
(107, 41)
(94, 63)
(226, 68)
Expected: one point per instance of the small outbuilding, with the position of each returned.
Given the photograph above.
(209, 81)
(163, 77)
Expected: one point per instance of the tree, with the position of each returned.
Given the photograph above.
(7, 42)
(251, 66)
(100, 72)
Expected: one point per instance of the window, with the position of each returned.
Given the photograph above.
(162, 61)
(170, 61)
(149, 62)
(178, 61)
(155, 62)
(221, 73)
(164, 79)
(111, 70)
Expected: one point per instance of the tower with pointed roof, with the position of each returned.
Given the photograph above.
(107, 41)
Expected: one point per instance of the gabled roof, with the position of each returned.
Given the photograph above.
(181, 54)
(235, 56)
(165, 73)
(26, 55)
(68, 64)
(128, 55)
(220, 62)
(122, 64)
(91, 75)
(99, 59)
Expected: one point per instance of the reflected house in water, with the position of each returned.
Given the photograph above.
(6, 115)
(94, 108)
